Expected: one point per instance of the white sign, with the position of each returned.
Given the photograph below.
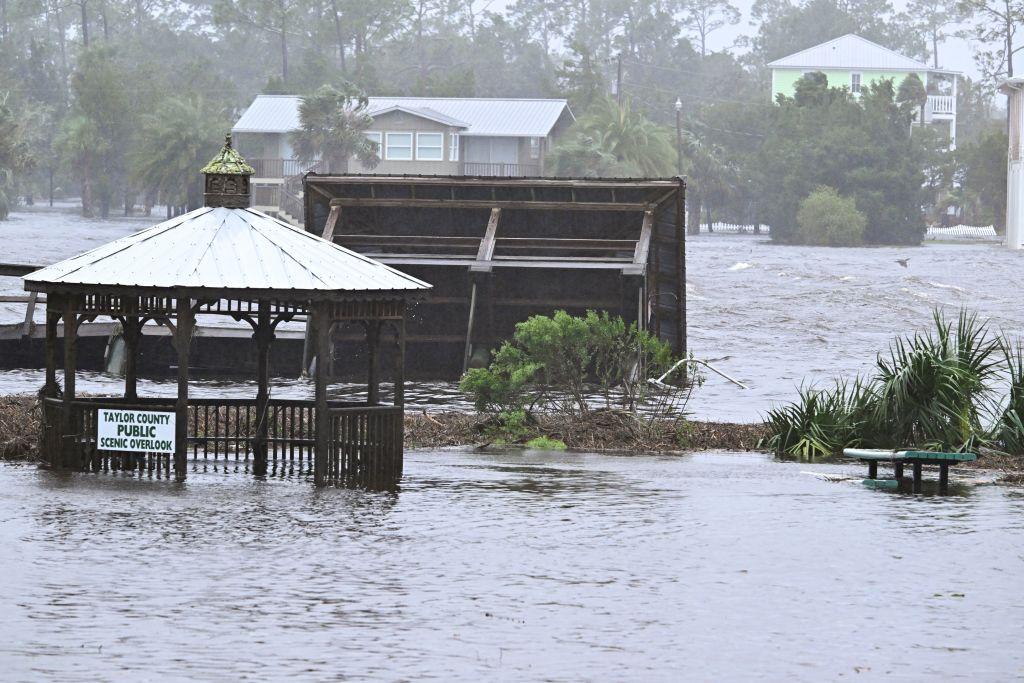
(137, 431)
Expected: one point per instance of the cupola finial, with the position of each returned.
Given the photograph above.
(227, 178)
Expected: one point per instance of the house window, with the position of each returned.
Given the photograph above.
(453, 147)
(855, 84)
(535, 148)
(430, 146)
(399, 147)
(374, 137)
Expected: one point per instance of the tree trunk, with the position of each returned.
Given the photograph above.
(87, 194)
(85, 23)
(1009, 42)
(284, 42)
(338, 36)
(694, 206)
(103, 20)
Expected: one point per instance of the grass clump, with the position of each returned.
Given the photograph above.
(545, 443)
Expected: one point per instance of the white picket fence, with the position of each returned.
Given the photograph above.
(734, 229)
(962, 232)
(956, 232)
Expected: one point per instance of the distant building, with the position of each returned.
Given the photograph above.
(416, 135)
(855, 63)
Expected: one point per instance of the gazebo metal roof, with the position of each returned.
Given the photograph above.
(226, 249)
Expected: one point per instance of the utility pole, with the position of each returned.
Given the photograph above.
(679, 136)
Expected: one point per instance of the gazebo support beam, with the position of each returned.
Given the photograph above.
(53, 314)
(400, 365)
(183, 339)
(68, 433)
(131, 330)
(264, 335)
(322, 326)
(373, 362)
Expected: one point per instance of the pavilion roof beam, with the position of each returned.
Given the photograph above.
(643, 247)
(485, 253)
(609, 183)
(490, 204)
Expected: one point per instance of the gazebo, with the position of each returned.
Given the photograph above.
(226, 259)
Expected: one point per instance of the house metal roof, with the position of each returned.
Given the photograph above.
(477, 116)
(850, 52)
(424, 112)
(226, 249)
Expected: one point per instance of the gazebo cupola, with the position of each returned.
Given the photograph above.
(226, 180)
(226, 259)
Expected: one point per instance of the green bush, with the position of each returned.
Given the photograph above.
(826, 219)
(933, 390)
(553, 360)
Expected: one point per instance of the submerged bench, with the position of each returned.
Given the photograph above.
(915, 458)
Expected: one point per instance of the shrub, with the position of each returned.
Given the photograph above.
(827, 219)
(552, 361)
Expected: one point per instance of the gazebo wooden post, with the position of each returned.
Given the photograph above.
(400, 366)
(373, 362)
(183, 340)
(322, 325)
(53, 313)
(69, 429)
(131, 331)
(264, 335)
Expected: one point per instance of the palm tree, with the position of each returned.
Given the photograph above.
(81, 147)
(709, 176)
(631, 137)
(333, 127)
(178, 141)
(615, 141)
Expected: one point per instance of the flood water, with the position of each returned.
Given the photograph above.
(542, 566)
(510, 566)
(771, 316)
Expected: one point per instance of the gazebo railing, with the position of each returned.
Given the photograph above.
(365, 448)
(366, 445)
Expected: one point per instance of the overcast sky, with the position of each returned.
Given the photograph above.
(954, 54)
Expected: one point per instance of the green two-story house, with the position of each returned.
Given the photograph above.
(854, 63)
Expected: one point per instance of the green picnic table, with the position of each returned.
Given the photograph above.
(915, 458)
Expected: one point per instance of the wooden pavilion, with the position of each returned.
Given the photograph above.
(226, 259)
(498, 250)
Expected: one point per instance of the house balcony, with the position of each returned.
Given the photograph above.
(500, 168)
(939, 108)
(276, 170)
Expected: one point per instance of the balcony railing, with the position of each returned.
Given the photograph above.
(939, 105)
(500, 168)
(280, 168)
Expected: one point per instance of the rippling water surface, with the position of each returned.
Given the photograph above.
(769, 315)
(516, 566)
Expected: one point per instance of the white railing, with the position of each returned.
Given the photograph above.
(734, 229)
(969, 232)
(939, 105)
